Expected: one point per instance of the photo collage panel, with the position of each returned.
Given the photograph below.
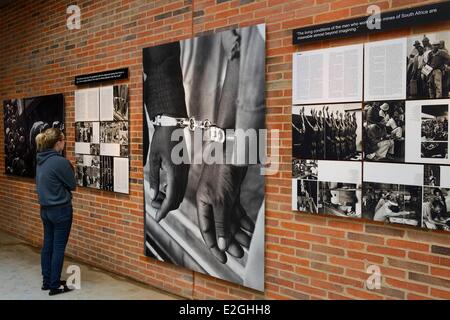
(102, 138)
(380, 105)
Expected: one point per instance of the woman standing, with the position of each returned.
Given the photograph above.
(55, 182)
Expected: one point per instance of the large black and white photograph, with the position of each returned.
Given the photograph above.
(304, 169)
(428, 66)
(393, 193)
(23, 121)
(207, 217)
(427, 131)
(384, 131)
(331, 132)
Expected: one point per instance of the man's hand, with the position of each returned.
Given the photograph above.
(220, 214)
(177, 175)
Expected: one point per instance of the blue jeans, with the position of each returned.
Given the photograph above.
(57, 224)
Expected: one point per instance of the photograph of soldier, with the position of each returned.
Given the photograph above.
(23, 121)
(340, 199)
(327, 132)
(435, 209)
(384, 131)
(121, 103)
(428, 66)
(392, 203)
(307, 196)
(431, 175)
(84, 132)
(304, 169)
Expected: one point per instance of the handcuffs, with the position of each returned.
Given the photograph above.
(212, 133)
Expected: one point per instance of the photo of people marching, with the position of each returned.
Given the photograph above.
(327, 132)
(428, 66)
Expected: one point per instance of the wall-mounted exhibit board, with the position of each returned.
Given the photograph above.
(102, 138)
(219, 77)
(377, 149)
(24, 119)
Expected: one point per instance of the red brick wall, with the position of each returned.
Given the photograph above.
(307, 257)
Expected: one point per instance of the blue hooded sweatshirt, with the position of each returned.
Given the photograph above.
(55, 179)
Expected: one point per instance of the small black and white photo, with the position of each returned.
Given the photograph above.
(392, 203)
(428, 64)
(95, 149)
(124, 151)
(434, 150)
(304, 169)
(340, 199)
(121, 103)
(107, 173)
(384, 131)
(84, 132)
(88, 171)
(114, 132)
(436, 208)
(307, 196)
(434, 123)
(431, 175)
(327, 132)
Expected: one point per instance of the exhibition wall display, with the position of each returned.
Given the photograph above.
(24, 119)
(203, 216)
(102, 138)
(370, 139)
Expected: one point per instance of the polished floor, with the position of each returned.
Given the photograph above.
(20, 278)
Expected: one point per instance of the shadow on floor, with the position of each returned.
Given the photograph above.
(20, 278)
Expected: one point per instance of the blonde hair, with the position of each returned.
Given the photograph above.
(48, 139)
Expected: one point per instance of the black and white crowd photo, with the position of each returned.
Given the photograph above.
(384, 131)
(428, 66)
(392, 203)
(205, 216)
(434, 131)
(331, 132)
(24, 119)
